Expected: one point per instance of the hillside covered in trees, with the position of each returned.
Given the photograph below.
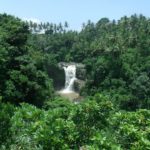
(115, 112)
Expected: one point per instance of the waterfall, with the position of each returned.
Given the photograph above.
(70, 77)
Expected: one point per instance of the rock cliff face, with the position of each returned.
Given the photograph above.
(80, 74)
(58, 76)
(78, 85)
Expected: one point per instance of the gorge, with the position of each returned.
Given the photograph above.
(73, 83)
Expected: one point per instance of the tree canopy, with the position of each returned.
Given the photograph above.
(115, 112)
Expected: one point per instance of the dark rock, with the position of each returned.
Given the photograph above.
(81, 73)
(58, 75)
(78, 85)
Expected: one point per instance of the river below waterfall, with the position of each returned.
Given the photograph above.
(72, 96)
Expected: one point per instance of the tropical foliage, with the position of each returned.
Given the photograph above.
(114, 114)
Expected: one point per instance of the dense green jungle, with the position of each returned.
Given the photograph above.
(114, 113)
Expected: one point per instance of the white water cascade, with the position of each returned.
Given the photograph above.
(70, 77)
